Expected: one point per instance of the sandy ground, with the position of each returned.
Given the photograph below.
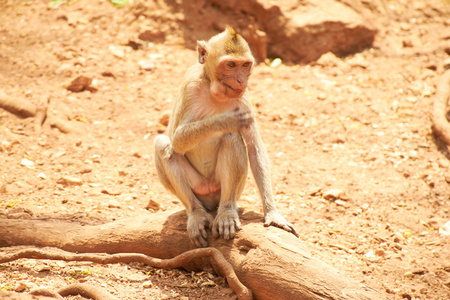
(356, 127)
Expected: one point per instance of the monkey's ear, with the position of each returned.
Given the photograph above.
(202, 50)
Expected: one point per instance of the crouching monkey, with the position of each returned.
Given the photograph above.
(212, 135)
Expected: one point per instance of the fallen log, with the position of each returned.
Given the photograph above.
(441, 126)
(269, 261)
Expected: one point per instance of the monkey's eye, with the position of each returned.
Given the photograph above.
(231, 64)
(247, 64)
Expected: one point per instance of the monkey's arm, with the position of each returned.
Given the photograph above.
(190, 134)
(260, 165)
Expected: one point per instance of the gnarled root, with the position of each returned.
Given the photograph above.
(215, 255)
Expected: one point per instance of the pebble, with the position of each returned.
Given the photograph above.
(114, 204)
(69, 181)
(341, 203)
(408, 274)
(122, 173)
(380, 252)
(42, 268)
(334, 194)
(322, 96)
(152, 204)
(111, 191)
(276, 63)
(146, 65)
(445, 229)
(147, 284)
(21, 286)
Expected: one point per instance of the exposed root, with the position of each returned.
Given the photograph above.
(82, 289)
(20, 107)
(215, 255)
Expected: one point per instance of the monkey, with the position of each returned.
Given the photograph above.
(212, 137)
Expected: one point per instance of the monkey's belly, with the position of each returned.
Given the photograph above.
(204, 157)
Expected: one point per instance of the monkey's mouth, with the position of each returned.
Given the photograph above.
(238, 91)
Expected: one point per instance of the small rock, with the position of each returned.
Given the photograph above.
(407, 43)
(296, 86)
(111, 191)
(329, 60)
(114, 204)
(147, 284)
(447, 64)
(276, 63)
(146, 65)
(341, 203)
(406, 296)
(3, 189)
(81, 83)
(27, 163)
(334, 194)
(117, 51)
(380, 252)
(322, 96)
(42, 268)
(164, 120)
(152, 204)
(6, 146)
(443, 163)
(412, 99)
(122, 172)
(445, 229)
(69, 181)
(20, 287)
(408, 274)
(418, 271)
(134, 45)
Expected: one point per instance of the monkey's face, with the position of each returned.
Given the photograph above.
(231, 78)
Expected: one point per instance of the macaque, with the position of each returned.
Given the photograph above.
(211, 138)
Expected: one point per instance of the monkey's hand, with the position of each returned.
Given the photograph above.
(226, 223)
(274, 218)
(197, 222)
(235, 120)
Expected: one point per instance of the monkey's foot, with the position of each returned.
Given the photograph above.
(274, 218)
(198, 221)
(226, 223)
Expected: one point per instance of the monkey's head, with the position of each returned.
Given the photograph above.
(228, 62)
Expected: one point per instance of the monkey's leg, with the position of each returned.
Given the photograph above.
(173, 171)
(232, 168)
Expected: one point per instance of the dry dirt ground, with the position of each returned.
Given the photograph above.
(356, 127)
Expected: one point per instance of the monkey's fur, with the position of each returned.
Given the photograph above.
(212, 137)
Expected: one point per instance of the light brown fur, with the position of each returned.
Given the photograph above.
(212, 138)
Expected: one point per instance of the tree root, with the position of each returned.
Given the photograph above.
(441, 125)
(270, 261)
(83, 289)
(215, 255)
(20, 107)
